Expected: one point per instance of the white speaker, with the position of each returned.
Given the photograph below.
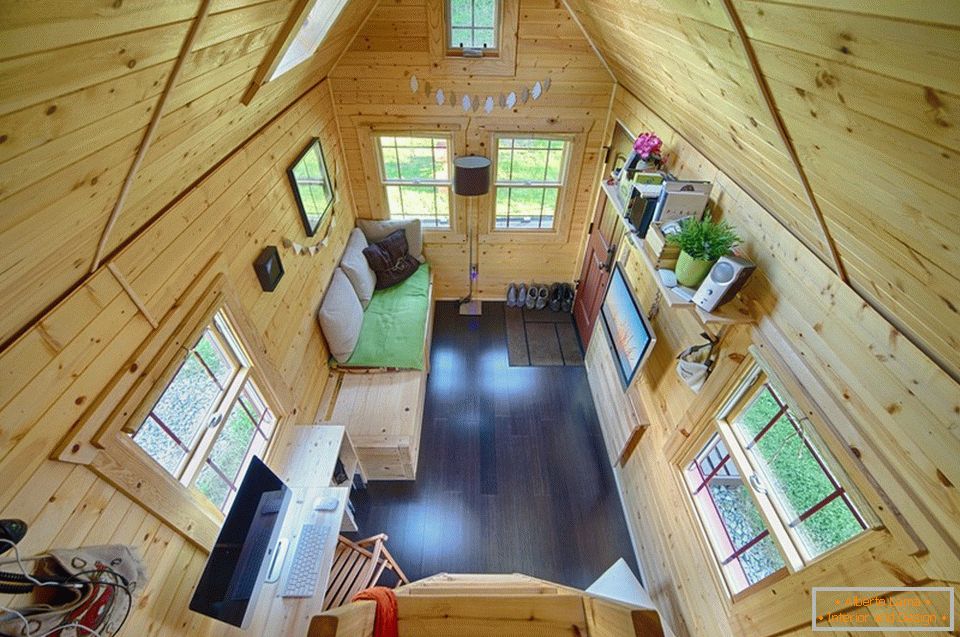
(725, 279)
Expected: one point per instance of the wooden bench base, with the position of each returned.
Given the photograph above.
(383, 413)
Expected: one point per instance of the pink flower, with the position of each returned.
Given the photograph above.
(647, 146)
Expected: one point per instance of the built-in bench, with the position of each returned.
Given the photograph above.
(378, 392)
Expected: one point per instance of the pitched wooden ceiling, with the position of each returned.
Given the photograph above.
(869, 93)
(79, 82)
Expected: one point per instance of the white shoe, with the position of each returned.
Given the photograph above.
(512, 295)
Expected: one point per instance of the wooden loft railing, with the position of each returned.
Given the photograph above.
(479, 605)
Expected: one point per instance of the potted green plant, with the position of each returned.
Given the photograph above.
(701, 243)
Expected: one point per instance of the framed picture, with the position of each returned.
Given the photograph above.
(311, 186)
(630, 334)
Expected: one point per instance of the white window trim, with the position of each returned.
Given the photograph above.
(267, 72)
(473, 52)
(385, 182)
(560, 186)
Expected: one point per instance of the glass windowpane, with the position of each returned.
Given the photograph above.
(734, 526)
(808, 494)
(190, 397)
(160, 446)
(210, 484)
(473, 23)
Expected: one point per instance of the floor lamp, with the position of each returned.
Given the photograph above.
(471, 178)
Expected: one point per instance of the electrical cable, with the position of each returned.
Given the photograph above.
(26, 624)
(23, 569)
(121, 583)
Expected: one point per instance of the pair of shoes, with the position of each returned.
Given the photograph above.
(556, 297)
(537, 297)
(566, 299)
(512, 295)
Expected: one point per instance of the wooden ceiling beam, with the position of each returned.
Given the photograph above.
(781, 127)
(150, 132)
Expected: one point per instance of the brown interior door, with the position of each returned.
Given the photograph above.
(605, 230)
(594, 276)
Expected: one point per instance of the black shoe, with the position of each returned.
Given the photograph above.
(566, 299)
(556, 297)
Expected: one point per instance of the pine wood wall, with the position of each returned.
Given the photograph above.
(902, 406)
(79, 82)
(869, 94)
(372, 84)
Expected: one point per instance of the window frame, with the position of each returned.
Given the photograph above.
(282, 43)
(470, 52)
(199, 451)
(99, 438)
(741, 388)
(501, 62)
(560, 186)
(385, 182)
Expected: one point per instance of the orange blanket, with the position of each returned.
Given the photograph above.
(385, 622)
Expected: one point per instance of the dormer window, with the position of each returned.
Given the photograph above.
(473, 27)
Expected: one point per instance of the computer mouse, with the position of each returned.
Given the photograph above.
(326, 504)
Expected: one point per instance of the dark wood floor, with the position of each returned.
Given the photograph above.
(512, 477)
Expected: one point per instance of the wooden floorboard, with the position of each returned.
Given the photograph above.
(513, 475)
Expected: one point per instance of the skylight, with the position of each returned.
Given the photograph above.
(311, 34)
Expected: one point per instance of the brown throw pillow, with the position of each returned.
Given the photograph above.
(390, 260)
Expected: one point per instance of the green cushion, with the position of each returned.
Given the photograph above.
(394, 325)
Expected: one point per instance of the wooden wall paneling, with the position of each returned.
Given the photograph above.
(79, 125)
(881, 384)
(856, 87)
(69, 356)
(372, 81)
(788, 144)
(148, 135)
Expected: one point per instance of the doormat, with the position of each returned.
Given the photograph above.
(541, 338)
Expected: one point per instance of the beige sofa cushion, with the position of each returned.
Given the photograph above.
(341, 316)
(357, 269)
(376, 230)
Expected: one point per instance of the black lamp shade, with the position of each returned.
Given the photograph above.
(471, 176)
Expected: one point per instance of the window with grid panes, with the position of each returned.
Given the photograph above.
(473, 24)
(211, 418)
(417, 178)
(783, 464)
(530, 176)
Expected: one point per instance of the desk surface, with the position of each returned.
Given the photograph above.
(304, 457)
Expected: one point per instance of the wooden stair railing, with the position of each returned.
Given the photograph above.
(515, 605)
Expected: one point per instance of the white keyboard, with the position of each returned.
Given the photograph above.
(305, 569)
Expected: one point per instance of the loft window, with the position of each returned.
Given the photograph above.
(473, 26)
(299, 39)
(766, 488)
(415, 173)
(310, 35)
(211, 417)
(530, 176)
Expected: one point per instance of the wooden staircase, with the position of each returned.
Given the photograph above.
(515, 605)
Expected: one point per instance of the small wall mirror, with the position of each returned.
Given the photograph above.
(311, 186)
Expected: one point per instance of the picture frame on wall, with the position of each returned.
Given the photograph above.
(312, 187)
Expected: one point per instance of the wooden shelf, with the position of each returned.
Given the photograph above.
(735, 312)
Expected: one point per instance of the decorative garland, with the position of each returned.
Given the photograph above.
(506, 101)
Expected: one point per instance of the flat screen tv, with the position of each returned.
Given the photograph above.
(240, 558)
(629, 332)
